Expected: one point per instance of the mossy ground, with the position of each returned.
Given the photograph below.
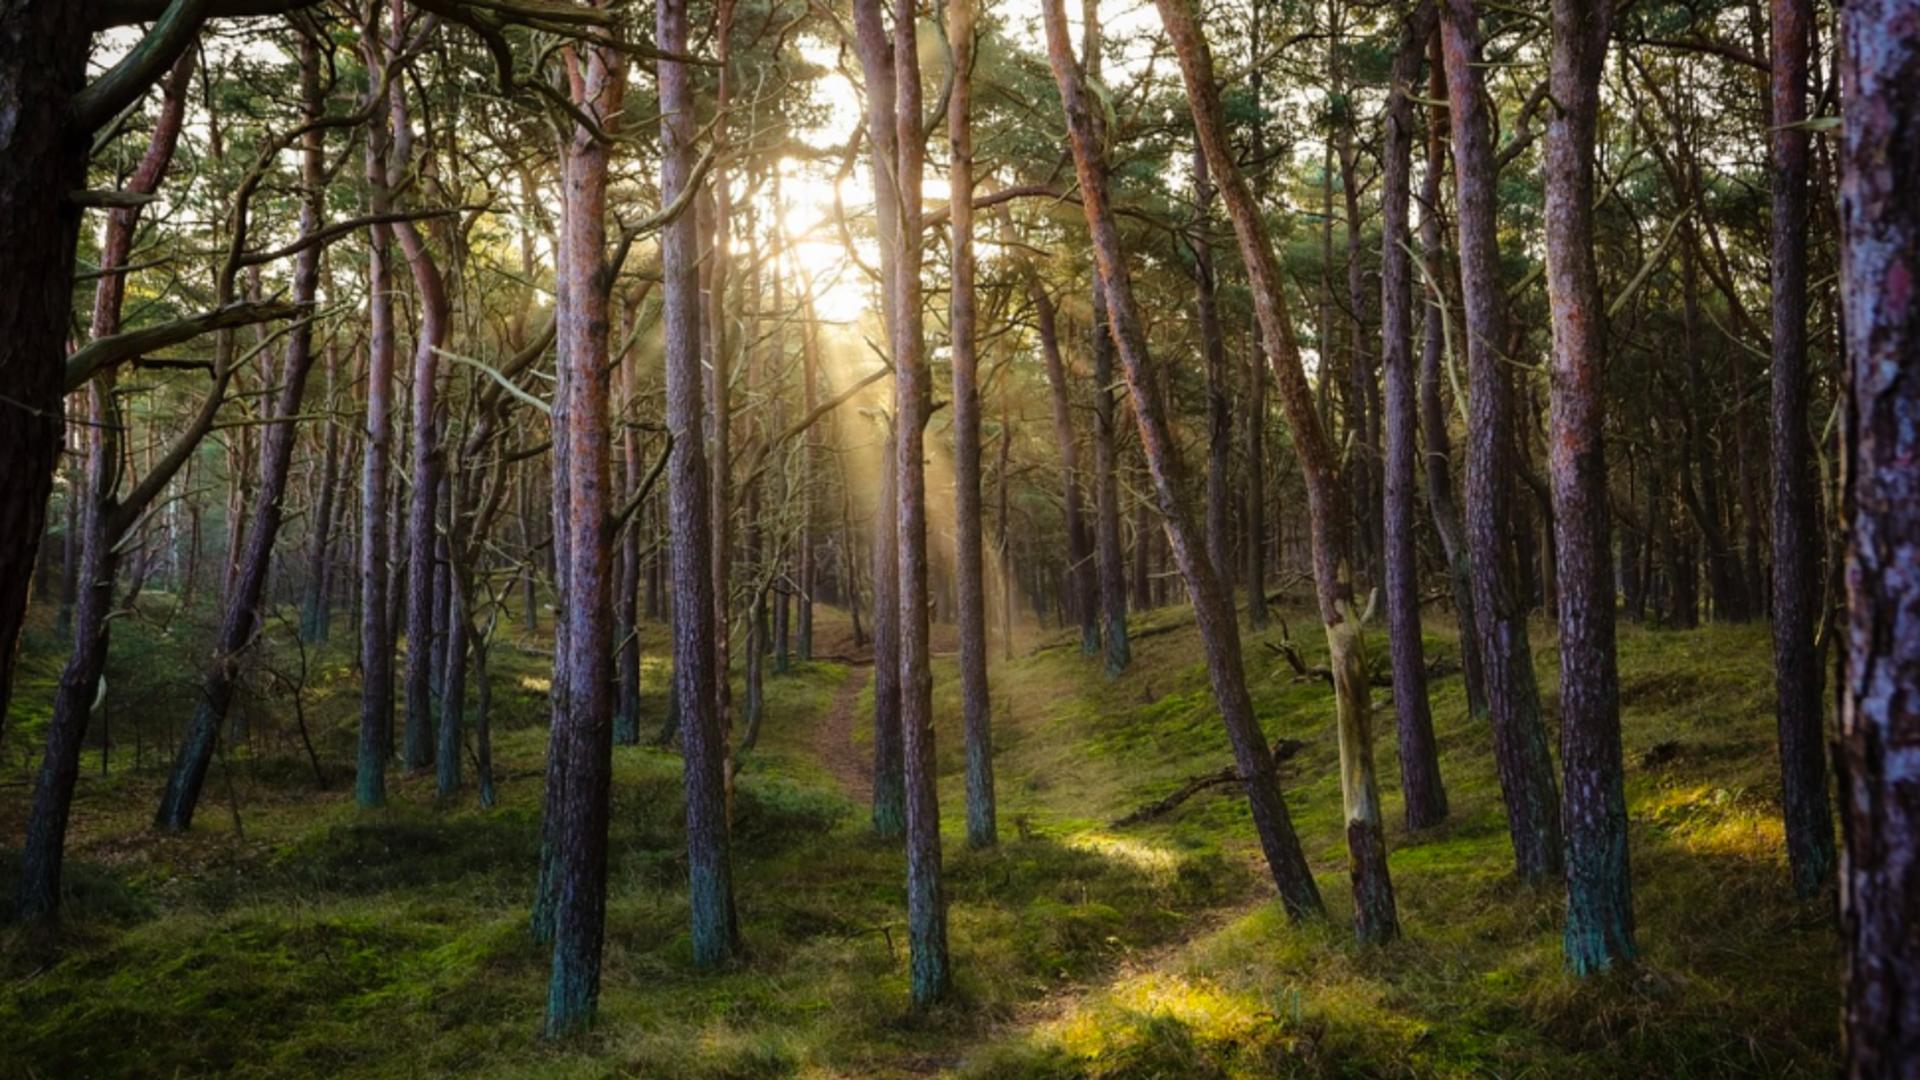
(290, 934)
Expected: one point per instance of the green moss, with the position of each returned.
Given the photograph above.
(325, 940)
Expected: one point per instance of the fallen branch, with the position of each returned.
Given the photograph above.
(1282, 751)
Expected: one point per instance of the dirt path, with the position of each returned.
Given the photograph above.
(833, 739)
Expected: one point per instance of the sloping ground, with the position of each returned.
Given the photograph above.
(1737, 978)
(324, 940)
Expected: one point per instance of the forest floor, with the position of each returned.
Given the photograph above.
(290, 934)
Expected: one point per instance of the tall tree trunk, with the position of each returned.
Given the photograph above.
(931, 978)
(1519, 737)
(582, 739)
(1880, 688)
(1219, 400)
(241, 623)
(969, 568)
(889, 791)
(1434, 341)
(1219, 631)
(93, 538)
(1374, 910)
(376, 630)
(1106, 487)
(316, 609)
(1420, 782)
(43, 856)
(423, 495)
(1106, 482)
(43, 64)
(709, 859)
(1796, 536)
(1599, 927)
(626, 600)
(1085, 595)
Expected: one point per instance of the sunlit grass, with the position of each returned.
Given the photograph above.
(291, 934)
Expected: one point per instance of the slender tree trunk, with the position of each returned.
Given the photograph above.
(968, 513)
(94, 537)
(43, 856)
(889, 782)
(1420, 782)
(1796, 536)
(1085, 594)
(242, 623)
(376, 633)
(582, 739)
(1219, 631)
(710, 873)
(626, 601)
(1375, 918)
(1106, 487)
(931, 976)
(1219, 400)
(1599, 927)
(317, 607)
(1435, 340)
(1519, 737)
(423, 497)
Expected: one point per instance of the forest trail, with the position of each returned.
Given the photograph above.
(833, 738)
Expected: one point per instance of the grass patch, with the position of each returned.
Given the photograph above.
(291, 934)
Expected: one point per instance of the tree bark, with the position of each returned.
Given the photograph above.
(43, 64)
(376, 631)
(1796, 536)
(241, 623)
(1420, 783)
(1599, 928)
(1219, 630)
(581, 753)
(1374, 909)
(1879, 745)
(889, 791)
(976, 707)
(710, 874)
(1519, 737)
(930, 975)
(1434, 341)
(1219, 400)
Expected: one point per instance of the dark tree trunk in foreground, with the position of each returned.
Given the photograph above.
(581, 749)
(1796, 535)
(1420, 782)
(931, 975)
(889, 791)
(95, 520)
(1519, 737)
(975, 705)
(1434, 341)
(709, 859)
(1220, 634)
(1375, 918)
(242, 621)
(1599, 927)
(1879, 743)
(43, 156)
